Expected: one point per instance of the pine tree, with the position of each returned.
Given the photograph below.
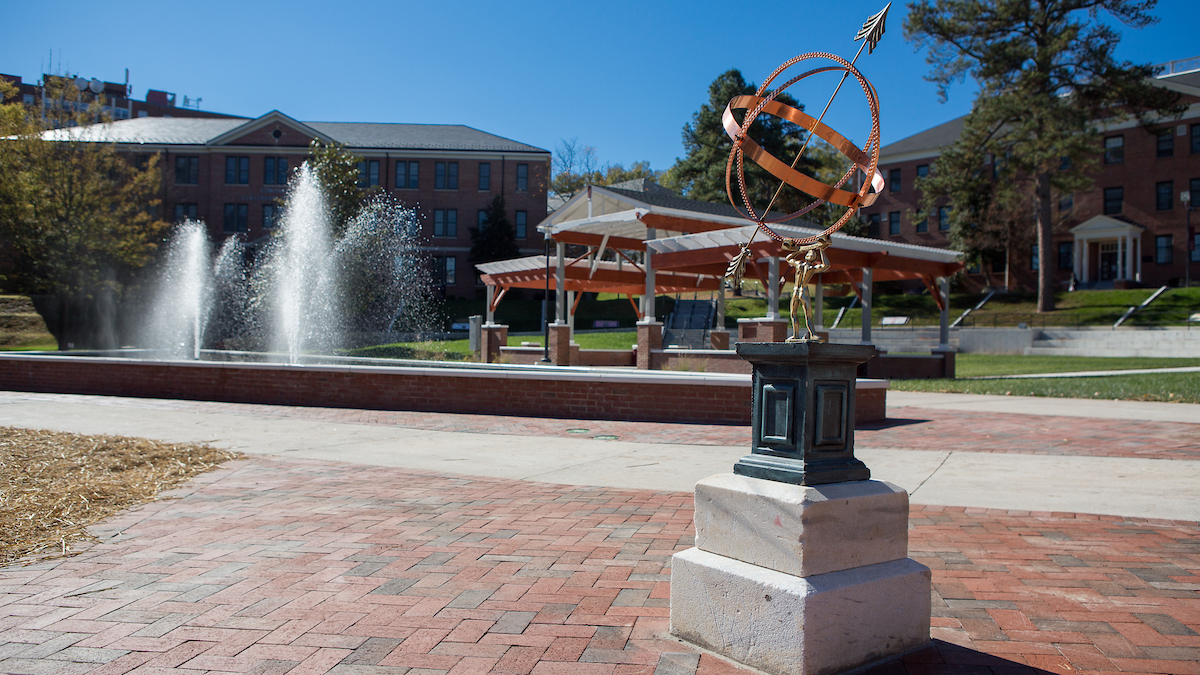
(700, 174)
(1047, 80)
(496, 239)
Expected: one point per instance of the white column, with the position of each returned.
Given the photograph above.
(491, 313)
(773, 287)
(1078, 256)
(648, 296)
(1083, 256)
(1138, 257)
(867, 284)
(1129, 257)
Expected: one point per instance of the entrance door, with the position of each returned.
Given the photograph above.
(1110, 261)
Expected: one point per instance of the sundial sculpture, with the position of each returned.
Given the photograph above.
(800, 561)
(807, 255)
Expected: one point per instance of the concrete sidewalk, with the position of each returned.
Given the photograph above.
(992, 478)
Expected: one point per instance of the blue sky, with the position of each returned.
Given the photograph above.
(623, 77)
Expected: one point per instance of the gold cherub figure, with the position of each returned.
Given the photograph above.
(808, 261)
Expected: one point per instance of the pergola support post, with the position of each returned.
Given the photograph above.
(560, 279)
(867, 287)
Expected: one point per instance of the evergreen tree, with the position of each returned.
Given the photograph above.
(1047, 80)
(700, 174)
(337, 172)
(496, 239)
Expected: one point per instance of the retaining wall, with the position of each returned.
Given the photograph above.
(581, 393)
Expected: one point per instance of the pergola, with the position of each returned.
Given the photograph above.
(663, 243)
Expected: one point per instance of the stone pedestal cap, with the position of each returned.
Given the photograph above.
(801, 530)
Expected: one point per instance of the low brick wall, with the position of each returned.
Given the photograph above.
(655, 396)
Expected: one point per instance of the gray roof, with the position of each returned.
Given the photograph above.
(202, 131)
(930, 140)
(417, 137)
(154, 130)
(648, 192)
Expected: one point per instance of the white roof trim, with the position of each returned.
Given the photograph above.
(259, 123)
(1106, 226)
(630, 216)
(741, 235)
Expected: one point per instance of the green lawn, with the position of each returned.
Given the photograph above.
(1171, 387)
(980, 365)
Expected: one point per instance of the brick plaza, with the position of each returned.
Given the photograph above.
(274, 565)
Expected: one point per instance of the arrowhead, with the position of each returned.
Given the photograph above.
(873, 29)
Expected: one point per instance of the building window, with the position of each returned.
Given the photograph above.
(445, 223)
(270, 216)
(368, 173)
(1066, 202)
(894, 223)
(446, 176)
(1114, 201)
(482, 218)
(1194, 188)
(185, 212)
(1066, 255)
(894, 180)
(187, 170)
(522, 177)
(407, 173)
(873, 225)
(922, 170)
(923, 225)
(522, 218)
(943, 219)
(1163, 195)
(1034, 260)
(275, 171)
(1164, 249)
(444, 269)
(235, 217)
(237, 170)
(485, 176)
(1165, 143)
(1195, 139)
(1114, 150)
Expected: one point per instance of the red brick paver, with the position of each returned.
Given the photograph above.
(279, 565)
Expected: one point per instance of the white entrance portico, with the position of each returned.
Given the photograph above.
(1118, 246)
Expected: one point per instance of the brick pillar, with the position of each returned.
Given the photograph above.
(948, 358)
(493, 336)
(649, 338)
(763, 330)
(560, 344)
(718, 339)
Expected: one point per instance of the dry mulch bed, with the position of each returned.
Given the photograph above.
(53, 485)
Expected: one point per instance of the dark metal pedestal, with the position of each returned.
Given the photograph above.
(803, 412)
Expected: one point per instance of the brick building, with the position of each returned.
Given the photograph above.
(232, 172)
(1129, 229)
(119, 103)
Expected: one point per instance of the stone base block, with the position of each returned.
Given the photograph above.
(788, 625)
(801, 530)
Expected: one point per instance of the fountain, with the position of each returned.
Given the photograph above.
(308, 290)
(180, 308)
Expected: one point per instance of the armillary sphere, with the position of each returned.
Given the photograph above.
(865, 159)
